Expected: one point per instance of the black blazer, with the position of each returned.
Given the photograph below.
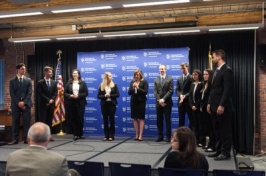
(197, 95)
(164, 91)
(45, 94)
(20, 94)
(204, 100)
(83, 93)
(113, 95)
(222, 87)
(183, 88)
(141, 92)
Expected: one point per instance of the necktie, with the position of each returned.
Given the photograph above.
(20, 82)
(162, 80)
(48, 85)
(215, 74)
(185, 79)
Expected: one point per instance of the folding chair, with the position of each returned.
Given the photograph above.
(181, 172)
(87, 168)
(217, 172)
(127, 169)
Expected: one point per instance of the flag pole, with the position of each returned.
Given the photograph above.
(210, 56)
(61, 133)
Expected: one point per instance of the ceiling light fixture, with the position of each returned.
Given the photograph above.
(174, 32)
(81, 9)
(72, 38)
(155, 3)
(123, 35)
(30, 40)
(232, 29)
(20, 14)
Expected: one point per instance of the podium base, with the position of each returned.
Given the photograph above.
(61, 133)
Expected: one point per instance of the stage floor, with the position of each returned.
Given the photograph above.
(122, 149)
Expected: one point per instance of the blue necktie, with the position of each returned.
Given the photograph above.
(162, 80)
(48, 85)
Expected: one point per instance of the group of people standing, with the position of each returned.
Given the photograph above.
(207, 100)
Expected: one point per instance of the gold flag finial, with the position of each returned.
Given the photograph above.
(59, 52)
(210, 56)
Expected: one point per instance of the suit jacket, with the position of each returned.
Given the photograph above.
(222, 87)
(18, 93)
(35, 160)
(183, 87)
(141, 92)
(204, 100)
(164, 91)
(113, 95)
(83, 93)
(45, 94)
(197, 95)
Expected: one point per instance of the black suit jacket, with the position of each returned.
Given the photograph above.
(197, 95)
(113, 95)
(222, 87)
(83, 93)
(20, 94)
(45, 94)
(183, 87)
(164, 91)
(141, 92)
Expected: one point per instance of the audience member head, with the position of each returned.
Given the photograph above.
(184, 68)
(162, 69)
(184, 140)
(138, 75)
(39, 134)
(197, 75)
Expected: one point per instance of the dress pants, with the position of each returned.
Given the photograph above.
(108, 113)
(161, 113)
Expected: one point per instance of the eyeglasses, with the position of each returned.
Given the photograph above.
(174, 140)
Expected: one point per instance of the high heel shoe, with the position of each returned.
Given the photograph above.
(75, 138)
(136, 138)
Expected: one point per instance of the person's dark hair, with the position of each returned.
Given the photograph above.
(221, 53)
(140, 73)
(199, 74)
(187, 146)
(79, 76)
(20, 65)
(46, 68)
(184, 64)
(209, 82)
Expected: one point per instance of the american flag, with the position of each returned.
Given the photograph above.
(59, 111)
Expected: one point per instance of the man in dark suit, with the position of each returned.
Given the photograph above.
(20, 89)
(36, 159)
(220, 105)
(163, 91)
(47, 91)
(182, 90)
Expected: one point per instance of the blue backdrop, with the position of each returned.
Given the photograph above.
(122, 64)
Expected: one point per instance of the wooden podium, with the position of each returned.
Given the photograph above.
(6, 120)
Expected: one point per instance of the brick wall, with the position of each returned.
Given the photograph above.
(12, 55)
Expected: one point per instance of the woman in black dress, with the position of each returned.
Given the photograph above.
(138, 90)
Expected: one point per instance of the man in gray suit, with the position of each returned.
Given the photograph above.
(163, 91)
(20, 89)
(36, 159)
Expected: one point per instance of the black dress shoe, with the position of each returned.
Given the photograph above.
(12, 142)
(167, 140)
(222, 157)
(25, 142)
(213, 155)
(159, 139)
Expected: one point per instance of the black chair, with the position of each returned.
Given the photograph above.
(87, 168)
(217, 172)
(127, 169)
(181, 172)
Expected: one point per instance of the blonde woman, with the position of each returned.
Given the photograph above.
(138, 90)
(107, 93)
